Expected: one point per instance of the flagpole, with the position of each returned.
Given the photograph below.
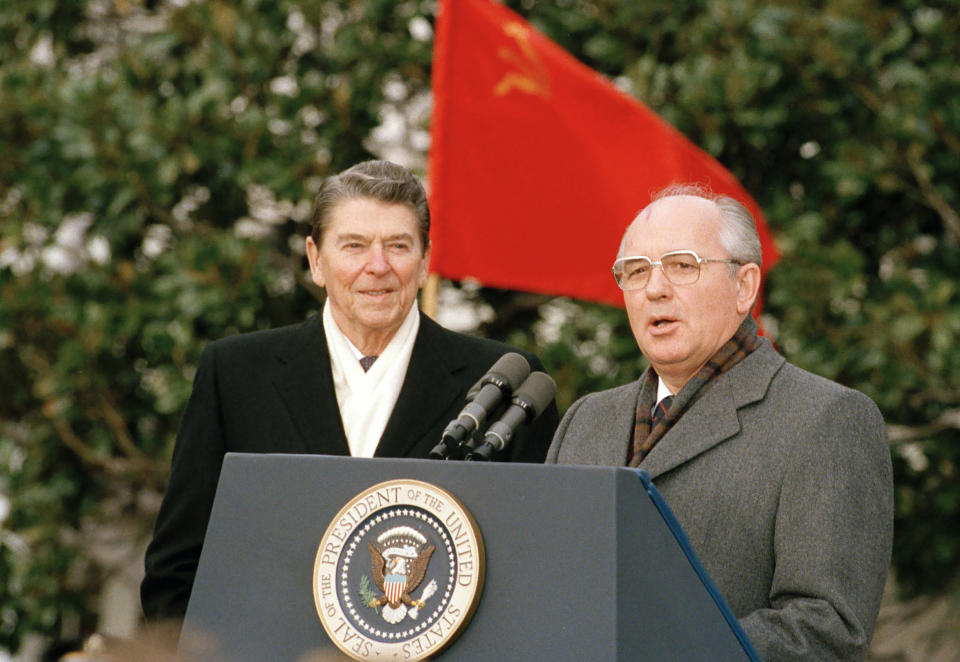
(428, 296)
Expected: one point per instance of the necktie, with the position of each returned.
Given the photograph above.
(660, 411)
(366, 362)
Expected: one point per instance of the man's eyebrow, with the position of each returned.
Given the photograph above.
(356, 236)
(351, 236)
(406, 236)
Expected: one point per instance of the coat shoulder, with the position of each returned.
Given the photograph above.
(596, 428)
(814, 392)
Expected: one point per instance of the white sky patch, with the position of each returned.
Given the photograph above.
(157, 239)
(809, 149)
(284, 86)
(98, 249)
(42, 54)
(420, 29)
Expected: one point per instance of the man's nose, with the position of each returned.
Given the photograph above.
(377, 260)
(658, 285)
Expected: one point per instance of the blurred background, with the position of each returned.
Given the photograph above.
(157, 164)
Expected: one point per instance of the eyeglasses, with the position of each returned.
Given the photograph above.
(680, 268)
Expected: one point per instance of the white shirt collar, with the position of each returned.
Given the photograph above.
(662, 390)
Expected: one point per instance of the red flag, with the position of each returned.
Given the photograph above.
(538, 163)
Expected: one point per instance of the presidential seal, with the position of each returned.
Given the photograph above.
(399, 572)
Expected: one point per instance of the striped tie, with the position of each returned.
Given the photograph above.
(660, 411)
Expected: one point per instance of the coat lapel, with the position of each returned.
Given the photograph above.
(305, 383)
(713, 418)
(618, 423)
(428, 390)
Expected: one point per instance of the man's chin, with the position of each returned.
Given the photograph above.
(665, 349)
(665, 359)
(380, 318)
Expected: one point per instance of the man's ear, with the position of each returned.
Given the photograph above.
(316, 262)
(424, 267)
(748, 287)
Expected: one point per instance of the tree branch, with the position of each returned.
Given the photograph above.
(118, 426)
(113, 466)
(933, 197)
(903, 434)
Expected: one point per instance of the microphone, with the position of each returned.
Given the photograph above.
(447, 448)
(533, 396)
(500, 381)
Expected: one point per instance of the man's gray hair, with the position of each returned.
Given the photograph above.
(738, 229)
(380, 180)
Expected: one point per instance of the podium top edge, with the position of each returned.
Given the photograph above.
(244, 458)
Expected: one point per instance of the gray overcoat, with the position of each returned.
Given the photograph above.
(782, 481)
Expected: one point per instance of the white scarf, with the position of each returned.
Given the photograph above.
(366, 399)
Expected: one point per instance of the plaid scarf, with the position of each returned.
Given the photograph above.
(733, 351)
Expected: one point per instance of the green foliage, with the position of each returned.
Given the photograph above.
(158, 164)
(158, 168)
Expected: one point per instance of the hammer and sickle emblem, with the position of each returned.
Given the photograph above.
(531, 76)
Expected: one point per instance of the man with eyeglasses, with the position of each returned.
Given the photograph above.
(781, 479)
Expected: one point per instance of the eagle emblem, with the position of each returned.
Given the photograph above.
(427, 562)
(399, 563)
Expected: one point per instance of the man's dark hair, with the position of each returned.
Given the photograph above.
(376, 179)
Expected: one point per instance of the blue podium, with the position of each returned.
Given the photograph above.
(582, 563)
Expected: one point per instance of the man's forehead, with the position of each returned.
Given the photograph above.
(349, 211)
(689, 206)
(366, 218)
(683, 220)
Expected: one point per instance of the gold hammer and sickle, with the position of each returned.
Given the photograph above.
(532, 76)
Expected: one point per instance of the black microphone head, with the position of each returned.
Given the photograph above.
(508, 372)
(536, 393)
(486, 397)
